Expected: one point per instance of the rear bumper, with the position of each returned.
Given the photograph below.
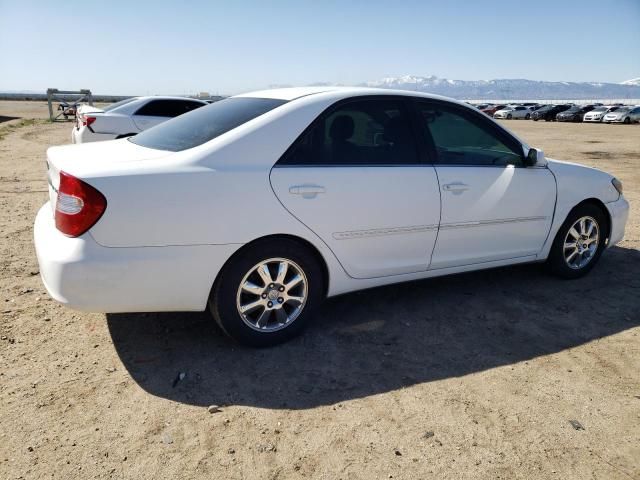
(85, 275)
(84, 135)
(619, 212)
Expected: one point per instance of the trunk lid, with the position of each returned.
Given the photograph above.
(97, 158)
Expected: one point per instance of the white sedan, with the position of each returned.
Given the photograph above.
(128, 117)
(259, 206)
(516, 111)
(598, 113)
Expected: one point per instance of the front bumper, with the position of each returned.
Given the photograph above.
(85, 275)
(619, 213)
(592, 119)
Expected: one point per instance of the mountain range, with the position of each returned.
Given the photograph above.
(512, 88)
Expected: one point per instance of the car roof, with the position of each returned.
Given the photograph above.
(337, 92)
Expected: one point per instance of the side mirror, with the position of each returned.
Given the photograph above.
(535, 158)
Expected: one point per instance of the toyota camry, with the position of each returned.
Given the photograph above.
(259, 206)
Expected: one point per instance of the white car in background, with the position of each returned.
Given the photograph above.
(598, 113)
(260, 205)
(128, 117)
(516, 111)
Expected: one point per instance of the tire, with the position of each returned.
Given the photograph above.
(536, 119)
(557, 262)
(528, 116)
(269, 323)
(509, 117)
(627, 121)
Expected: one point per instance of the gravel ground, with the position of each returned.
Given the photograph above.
(508, 373)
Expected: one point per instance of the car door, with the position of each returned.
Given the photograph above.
(160, 110)
(355, 178)
(493, 208)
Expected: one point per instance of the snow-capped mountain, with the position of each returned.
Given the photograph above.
(511, 88)
(633, 81)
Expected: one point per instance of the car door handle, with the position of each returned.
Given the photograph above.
(456, 187)
(307, 191)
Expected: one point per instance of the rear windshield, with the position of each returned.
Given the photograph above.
(119, 104)
(203, 124)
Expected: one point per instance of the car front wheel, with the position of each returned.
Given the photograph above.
(579, 242)
(268, 292)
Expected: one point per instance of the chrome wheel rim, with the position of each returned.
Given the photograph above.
(272, 294)
(581, 243)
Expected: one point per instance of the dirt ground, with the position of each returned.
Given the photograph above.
(466, 377)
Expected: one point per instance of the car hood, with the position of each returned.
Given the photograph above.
(616, 114)
(563, 165)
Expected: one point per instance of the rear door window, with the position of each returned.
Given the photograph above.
(167, 108)
(358, 132)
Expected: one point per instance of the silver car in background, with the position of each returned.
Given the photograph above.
(623, 115)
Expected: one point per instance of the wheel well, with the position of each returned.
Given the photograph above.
(598, 204)
(304, 243)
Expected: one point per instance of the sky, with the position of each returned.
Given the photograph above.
(140, 47)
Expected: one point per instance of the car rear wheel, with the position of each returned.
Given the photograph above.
(627, 121)
(268, 292)
(579, 242)
(509, 117)
(528, 116)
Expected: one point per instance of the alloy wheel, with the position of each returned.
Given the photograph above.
(581, 243)
(272, 294)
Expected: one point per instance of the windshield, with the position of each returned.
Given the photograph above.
(204, 124)
(119, 104)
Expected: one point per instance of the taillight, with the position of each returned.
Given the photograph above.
(87, 121)
(78, 207)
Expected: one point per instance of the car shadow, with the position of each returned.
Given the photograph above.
(4, 118)
(386, 338)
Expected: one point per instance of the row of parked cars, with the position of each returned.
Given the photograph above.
(567, 112)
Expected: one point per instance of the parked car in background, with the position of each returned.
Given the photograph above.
(598, 113)
(513, 112)
(574, 114)
(548, 112)
(482, 106)
(490, 110)
(234, 207)
(128, 117)
(623, 115)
